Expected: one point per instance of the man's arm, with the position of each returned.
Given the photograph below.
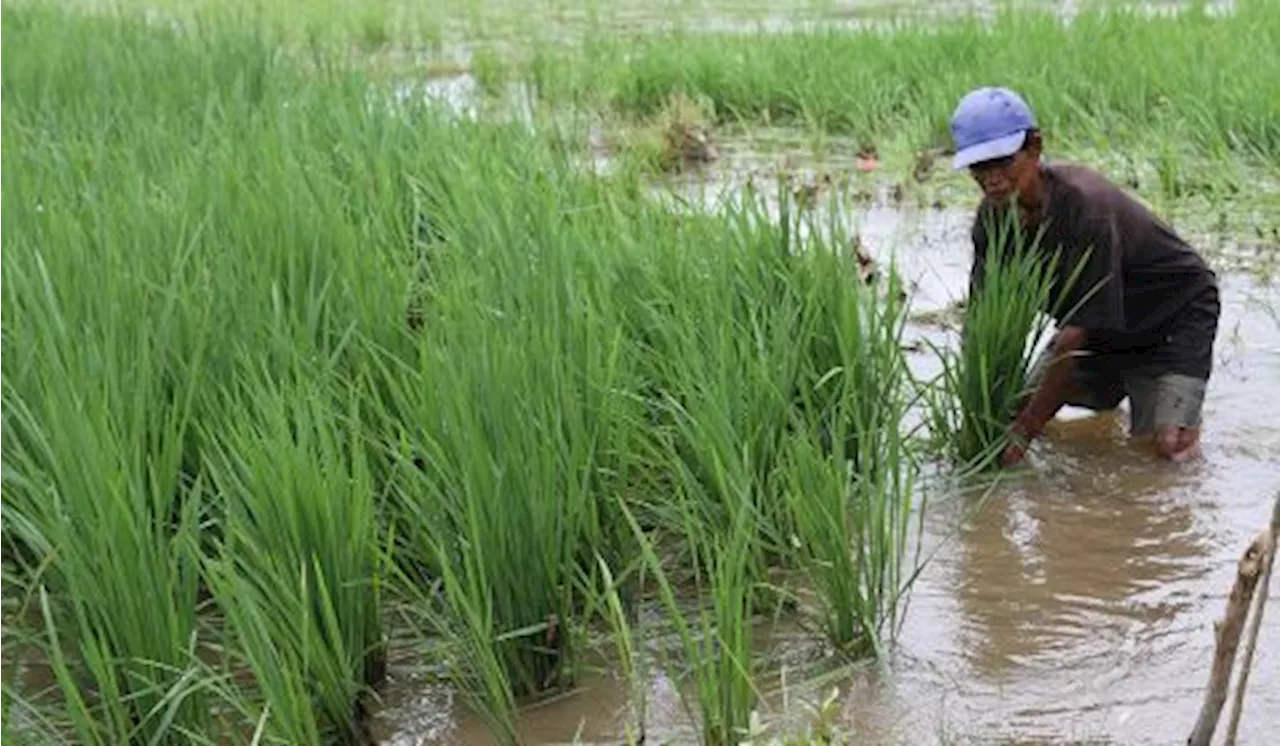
(1051, 394)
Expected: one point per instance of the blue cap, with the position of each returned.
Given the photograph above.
(989, 123)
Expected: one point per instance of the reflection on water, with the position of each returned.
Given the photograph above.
(1075, 602)
(1074, 555)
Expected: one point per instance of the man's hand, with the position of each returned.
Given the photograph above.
(1048, 397)
(1019, 438)
(1012, 455)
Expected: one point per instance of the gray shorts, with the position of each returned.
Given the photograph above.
(1169, 399)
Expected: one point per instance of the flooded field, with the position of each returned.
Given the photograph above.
(1072, 603)
(411, 347)
(471, 21)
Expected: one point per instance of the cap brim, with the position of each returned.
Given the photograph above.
(997, 148)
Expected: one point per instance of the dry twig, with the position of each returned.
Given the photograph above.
(1255, 622)
(1252, 566)
(1227, 640)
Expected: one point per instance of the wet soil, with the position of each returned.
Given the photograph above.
(1071, 602)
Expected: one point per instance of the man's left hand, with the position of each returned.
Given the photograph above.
(1048, 397)
(1020, 436)
(1012, 455)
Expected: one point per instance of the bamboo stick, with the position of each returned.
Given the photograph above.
(1255, 622)
(1227, 638)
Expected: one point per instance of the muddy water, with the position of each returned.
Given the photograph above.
(1073, 603)
(1076, 603)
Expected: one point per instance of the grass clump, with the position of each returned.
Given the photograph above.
(1007, 318)
(716, 644)
(846, 469)
(299, 570)
(777, 412)
(106, 527)
(676, 138)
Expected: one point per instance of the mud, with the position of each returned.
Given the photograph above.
(1070, 603)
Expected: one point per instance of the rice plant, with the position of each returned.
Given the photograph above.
(258, 421)
(722, 339)
(1009, 313)
(491, 526)
(131, 160)
(299, 571)
(783, 344)
(509, 429)
(1112, 67)
(628, 639)
(715, 669)
(848, 471)
(104, 528)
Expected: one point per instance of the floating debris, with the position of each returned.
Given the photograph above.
(687, 144)
(868, 159)
(924, 162)
(949, 317)
(866, 263)
(806, 194)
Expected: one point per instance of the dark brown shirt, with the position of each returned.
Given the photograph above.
(1139, 285)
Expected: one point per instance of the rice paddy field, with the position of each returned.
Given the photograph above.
(567, 371)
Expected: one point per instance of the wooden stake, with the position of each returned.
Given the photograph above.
(1255, 622)
(1227, 639)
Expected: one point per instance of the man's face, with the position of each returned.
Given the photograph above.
(1002, 178)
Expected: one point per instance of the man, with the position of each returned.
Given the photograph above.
(1141, 317)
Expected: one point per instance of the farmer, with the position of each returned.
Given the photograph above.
(1140, 318)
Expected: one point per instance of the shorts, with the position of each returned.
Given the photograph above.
(1164, 381)
(1155, 400)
